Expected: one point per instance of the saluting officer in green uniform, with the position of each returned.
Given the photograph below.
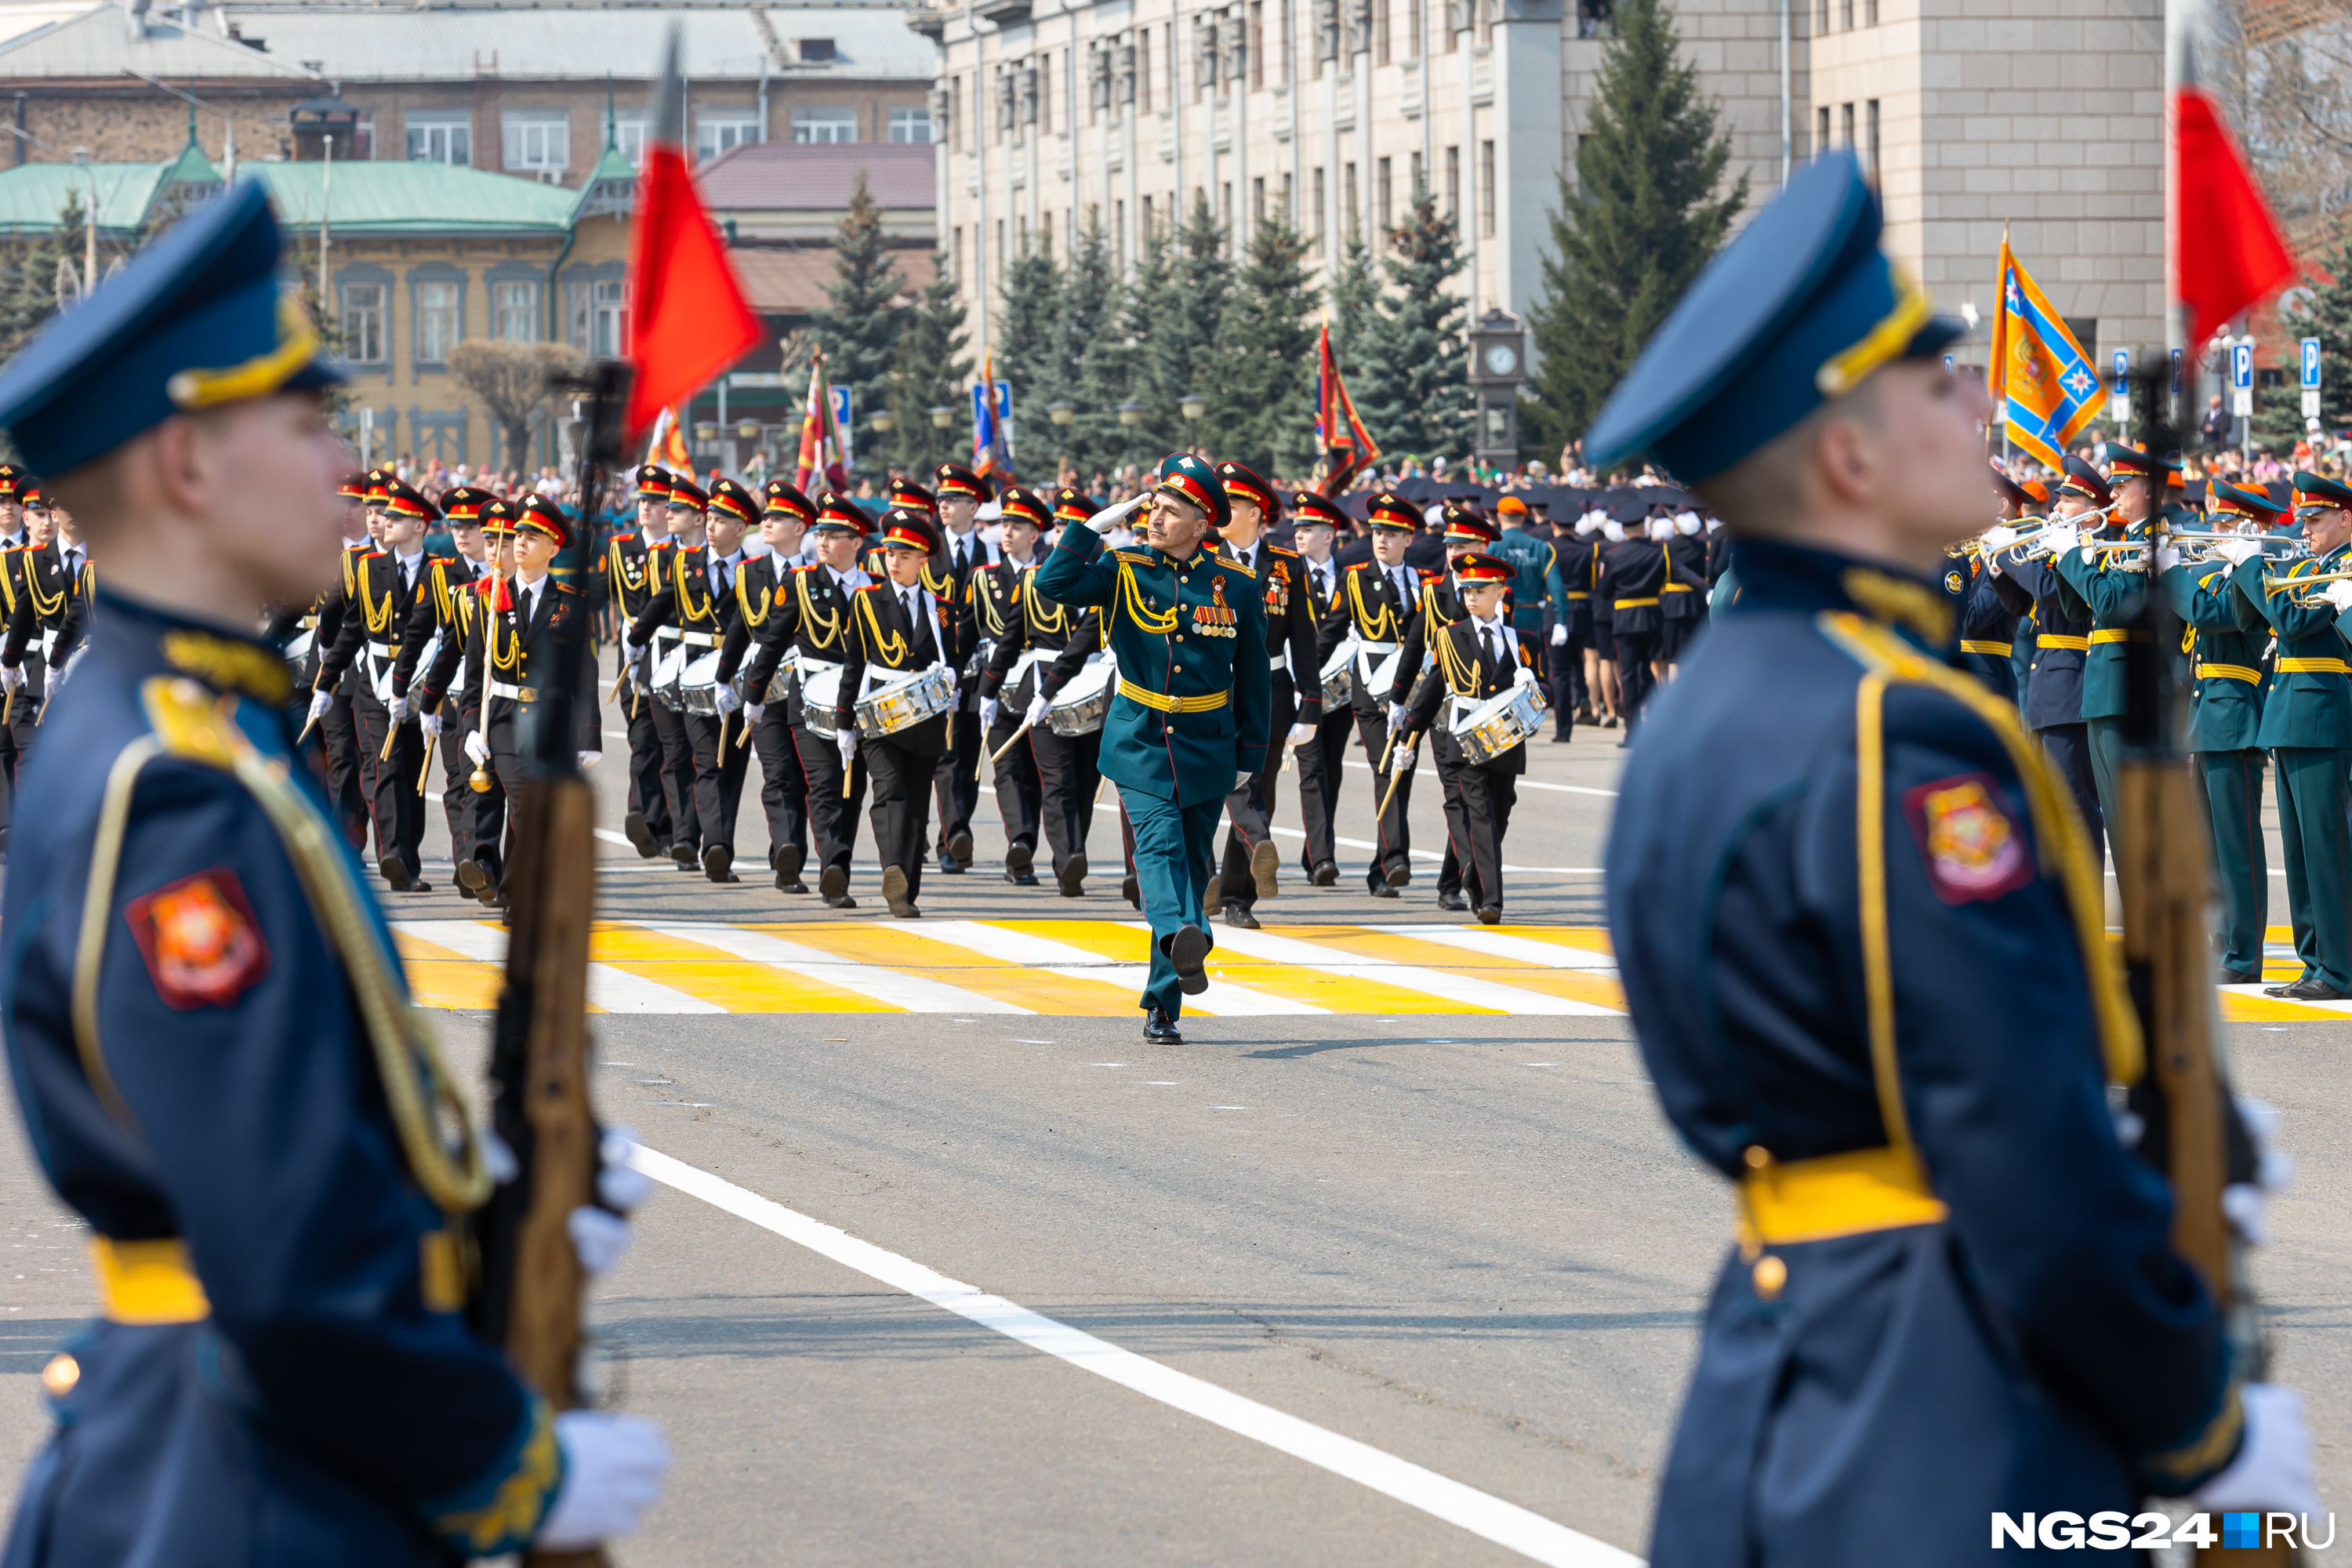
(2225, 643)
(2110, 583)
(2307, 730)
(1188, 724)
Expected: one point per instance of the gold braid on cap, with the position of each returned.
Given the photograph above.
(1884, 342)
(297, 343)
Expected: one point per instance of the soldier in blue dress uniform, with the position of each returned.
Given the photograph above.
(212, 1043)
(1190, 723)
(1864, 949)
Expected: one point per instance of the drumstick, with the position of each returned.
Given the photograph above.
(1395, 778)
(390, 735)
(723, 727)
(426, 771)
(848, 773)
(1010, 742)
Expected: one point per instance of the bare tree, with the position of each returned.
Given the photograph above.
(2283, 72)
(511, 379)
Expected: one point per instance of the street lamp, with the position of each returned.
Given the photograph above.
(1130, 414)
(942, 417)
(748, 430)
(1193, 405)
(883, 421)
(705, 430)
(1060, 413)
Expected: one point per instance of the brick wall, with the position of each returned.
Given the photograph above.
(123, 128)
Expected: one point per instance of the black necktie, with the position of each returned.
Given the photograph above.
(1494, 654)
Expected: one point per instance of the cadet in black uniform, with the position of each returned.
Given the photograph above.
(1377, 599)
(764, 582)
(1634, 571)
(1321, 757)
(898, 625)
(696, 609)
(993, 594)
(960, 493)
(638, 567)
(444, 619)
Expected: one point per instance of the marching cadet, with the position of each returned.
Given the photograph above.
(763, 583)
(683, 514)
(2110, 583)
(1682, 604)
(1251, 865)
(447, 694)
(388, 585)
(898, 625)
(1538, 593)
(954, 508)
(337, 729)
(638, 568)
(1953, 1291)
(1466, 531)
(1635, 570)
(211, 1037)
(2225, 719)
(36, 620)
(1988, 625)
(813, 618)
(1322, 758)
(443, 620)
(696, 610)
(2062, 643)
(1378, 600)
(2307, 729)
(1477, 657)
(1188, 724)
(992, 594)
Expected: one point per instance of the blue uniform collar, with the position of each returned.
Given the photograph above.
(225, 657)
(1790, 577)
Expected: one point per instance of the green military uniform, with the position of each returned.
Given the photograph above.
(1193, 705)
(2307, 729)
(2224, 641)
(2110, 584)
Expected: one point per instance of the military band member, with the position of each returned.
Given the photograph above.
(696, 610)
(1864, 947)
(764, 582)
(1465, 531)
(1377, 599)
(993, 600)
(1476, 657)
(1190, 723)
(2307, 730)
(683, 515)
(2062, 644)
(446, 696)
(444, 619)
(1251, 865)
(2226, 643)
(337, 730)
(2110, 583)
(31, 664)
(1681, 602)
(210, 1038)
(1988, 627)
(638, 566)
(898, 625)
(1634, 571)
(1322, 758)
(1538, 593)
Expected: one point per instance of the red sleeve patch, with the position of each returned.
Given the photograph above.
(1972, 847)
(201, 944)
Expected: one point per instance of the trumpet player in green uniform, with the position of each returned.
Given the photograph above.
(2110, 580)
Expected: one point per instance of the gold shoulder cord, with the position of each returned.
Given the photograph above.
(2058, 830)
(891, 645)
(822, 630)
(680, 576)
(43, 608)
(752, 618)
(8, 559)
(189, 724)
(1379, 628)
(1044, 614)
(1130, 599)
(376, 620)
(1461, 674)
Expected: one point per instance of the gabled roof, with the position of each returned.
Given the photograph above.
(102, 45)
(611, 187)
(32, 195)
(790, 176)
(391, 197)
(794, 282)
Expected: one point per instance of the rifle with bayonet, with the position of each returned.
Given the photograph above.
(531, 1279)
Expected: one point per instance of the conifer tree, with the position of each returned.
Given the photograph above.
(1027, 352)
(1098, 349)
(1355, 307)
(2324, 311)
(1184, 336)
(929, 370)
(1649, 207)
(1156, 377)
(1260, 411)
(858, 331)
(1414, 389)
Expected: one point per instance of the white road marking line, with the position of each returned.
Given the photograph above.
(1524, 784)
(2256, 990)
(914, 993)
(1526, 950)
(1507, 1524)
(1220, 1000)
(1433, 855)
(1349, 966)
(609, 836)
(614, 990)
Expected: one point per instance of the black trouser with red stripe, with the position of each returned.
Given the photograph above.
(1249, 809)
(1478, 802)
(1069, 774)
(722, 756)
(783, 782)
(390, 779)
(677, 774)
(1395, 852)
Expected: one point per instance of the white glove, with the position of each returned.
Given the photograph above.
(1110, 518)
(612, 1470)
(1559, 636)
(2338, 594)
(430, 724)
(1523, 676)
(1613, 531)
(478, 749)
(598, 1238)
(2272, 1469)
(2000, 536)
(319, 700)
(2237, 551)
(1036, 714)
(1405, 758)
(1301, 734)
(988, 710)
(2090, 555)
(1397, 717)
(1241, 781)
(754, 712)
(629, 649)
(846, 741)
(724, 696)
(2166, 557)
(399, 712)
(587, 760)
(2060, 537)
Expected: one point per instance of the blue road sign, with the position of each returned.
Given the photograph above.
(841, 405)
(2311, 363)
(2242, 365)
(2123, 373)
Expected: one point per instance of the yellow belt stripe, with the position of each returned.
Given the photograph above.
(1577, 593)
(1836, 1194)
(2314, 667)
(1970, 646)
(2119, 633)
(1675, 588)
(146, 1283)
(2054, 640)
(1636, 604)
(2246, 673)
(1155, 701)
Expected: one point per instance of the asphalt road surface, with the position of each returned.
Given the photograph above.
(1393, 1261)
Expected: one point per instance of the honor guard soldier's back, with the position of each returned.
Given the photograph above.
(210, 1036)
(1864, 949)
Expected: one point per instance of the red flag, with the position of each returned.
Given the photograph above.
(2237, 255)
(691, 319)
(1347, 446)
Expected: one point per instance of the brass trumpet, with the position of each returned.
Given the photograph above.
(2298, 589)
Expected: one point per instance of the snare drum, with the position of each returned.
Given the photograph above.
(978, 660)
(696, 685)
(669, 675)
(1499, 723)
(1080, 708)
(780, 685)
(1339, 676)
(1382, 682)
(905, 702)
(820, 690)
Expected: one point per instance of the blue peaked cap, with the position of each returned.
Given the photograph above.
(1798, 309)
(195, 320)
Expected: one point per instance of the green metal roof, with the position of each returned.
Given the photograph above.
(33, 194)
(399, 197)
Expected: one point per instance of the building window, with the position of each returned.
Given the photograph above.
(363, 137)
(1869, 12)
(439, 319)
(1845, 13)
(538, 142)
(1380, 32)
(1416, 21)
(1289, 43)
(441, 138)
(1322, 209)
(825, 125)
(718, 132)
(1380, 197)
(600, 318)
(1257, 44)
(1486, 188)
(1870, 126)
(514, 311)
(629, 137)
(363, 322)
(1225, 208)
(1845, 126)
(1257, 198)
(955, 114)
(815, 50)
(1119, 228)
(1821, 130)
(1597, 18)
(911, 125)
(1821, 17)
(1143, 71)
(1149, 220)
(1418, 175)
(1349, 215)
(1453, 183)
(955, 257)
(1290, 202)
